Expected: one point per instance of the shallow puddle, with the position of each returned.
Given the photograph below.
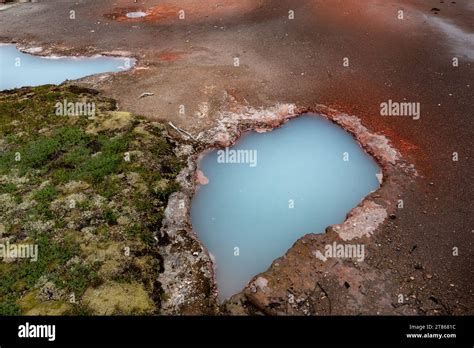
(272, 188)
(138, 14)
(18, 69)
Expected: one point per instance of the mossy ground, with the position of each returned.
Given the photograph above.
(90, 192)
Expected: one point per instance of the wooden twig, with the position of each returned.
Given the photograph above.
(146, 94)
(181, 131)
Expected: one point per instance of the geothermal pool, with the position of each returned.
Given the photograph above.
(297, 179)
(18, 69)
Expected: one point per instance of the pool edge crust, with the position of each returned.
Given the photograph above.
(292, 278)
(45, 49)
(187, 277)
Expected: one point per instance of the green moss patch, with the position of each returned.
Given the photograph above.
(73, 185)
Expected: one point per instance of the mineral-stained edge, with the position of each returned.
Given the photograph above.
(292, 284)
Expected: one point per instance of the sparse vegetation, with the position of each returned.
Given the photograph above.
(90, 192)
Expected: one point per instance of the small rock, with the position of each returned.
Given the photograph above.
(261, 283)
(49, 292)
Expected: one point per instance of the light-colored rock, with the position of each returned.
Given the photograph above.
(362, 221)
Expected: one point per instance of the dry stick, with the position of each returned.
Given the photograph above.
(181, 131)
(146, 94)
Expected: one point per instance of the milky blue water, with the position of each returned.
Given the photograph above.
(19, 69)
(248, 215)
(138, 14)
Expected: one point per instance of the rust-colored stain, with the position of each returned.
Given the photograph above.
(170, 56)
(414, 153)
(408, 149)
(404, 146)
(161, 12)
(119, 14)
(196, 11)
(156, 13)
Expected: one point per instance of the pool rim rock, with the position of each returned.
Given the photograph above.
(360, 223)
